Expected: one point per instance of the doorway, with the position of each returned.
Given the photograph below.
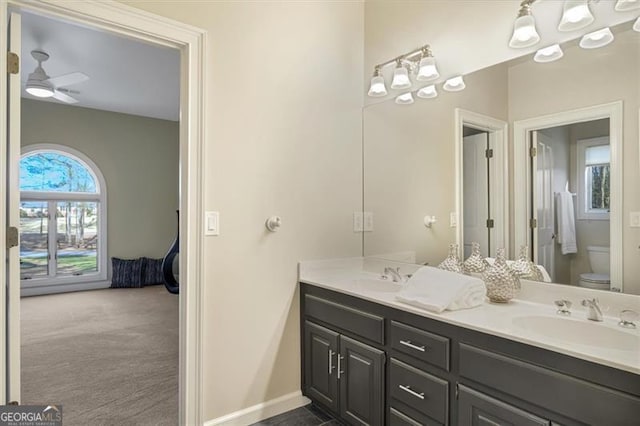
(142, 26)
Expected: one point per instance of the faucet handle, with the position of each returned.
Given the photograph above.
(627, 318)
(564, 306)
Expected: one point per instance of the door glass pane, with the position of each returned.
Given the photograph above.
(34, 239)
(77, 237)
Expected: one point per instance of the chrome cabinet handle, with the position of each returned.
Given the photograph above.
(330, 361)
(412, 346)
(412, 392)
(340, 372)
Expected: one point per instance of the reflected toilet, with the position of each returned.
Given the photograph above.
(599, 260)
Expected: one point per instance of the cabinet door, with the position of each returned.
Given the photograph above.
(477, 409)
(361, 375)
(320, 364)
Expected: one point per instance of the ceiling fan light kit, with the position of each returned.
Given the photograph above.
(39, 84)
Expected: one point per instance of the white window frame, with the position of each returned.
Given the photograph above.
(584, 213)
(100, 196)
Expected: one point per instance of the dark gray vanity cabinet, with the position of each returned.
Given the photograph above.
(371, 364)
(344, 375)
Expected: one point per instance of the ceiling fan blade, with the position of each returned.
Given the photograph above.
(64, 97)
(68, 79)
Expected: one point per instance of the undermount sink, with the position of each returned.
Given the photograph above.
(378, 285)
(581, 332)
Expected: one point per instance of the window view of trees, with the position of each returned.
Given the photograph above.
(600, 177)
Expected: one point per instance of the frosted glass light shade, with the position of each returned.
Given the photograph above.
(428, 92)
(427, 69)
(39, 89)
(400, 78)
(524, 32)
(597, 39)
(549, 54)
(636, 25)
(377, 87)
(624, 5)
(404, 99)
(575, 15)
(454, 84)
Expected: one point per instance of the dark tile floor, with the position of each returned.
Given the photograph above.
(309, 415)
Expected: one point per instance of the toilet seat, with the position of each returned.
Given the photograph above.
(597, 281)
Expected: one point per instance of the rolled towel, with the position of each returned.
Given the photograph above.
(436, 290)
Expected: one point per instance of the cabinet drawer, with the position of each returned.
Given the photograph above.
(420, 344)
(398, 418)
(475, 408)
(344, 317)
(422, 391)
(555, 391)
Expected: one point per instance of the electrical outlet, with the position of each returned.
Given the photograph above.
(634, 219)
(453, 220)
(358, 222)
(368, 222)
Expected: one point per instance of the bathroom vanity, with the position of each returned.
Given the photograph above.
(371, 360)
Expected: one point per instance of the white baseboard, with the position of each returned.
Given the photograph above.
(262, 411)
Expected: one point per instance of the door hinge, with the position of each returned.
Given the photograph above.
(13, 237)
(533, 151)
(533, 223)
(490, 223)
(488, 153)
(13, 63)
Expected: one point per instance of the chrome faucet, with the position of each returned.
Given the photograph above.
(594, 313)
(394, 274)
(563, 307)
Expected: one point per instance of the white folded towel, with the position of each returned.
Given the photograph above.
(566, 223)
(436, 290)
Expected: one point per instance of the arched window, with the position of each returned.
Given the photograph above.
(62, 217)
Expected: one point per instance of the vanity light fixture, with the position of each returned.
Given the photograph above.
(400, 76)
(427, 69)
(524, 29)
(377, 87)
(596, 39)
(404, 99)
(636, 25)
(427, 92)
(549, 54)
(625, 5)
(454, 84)
(575, 15)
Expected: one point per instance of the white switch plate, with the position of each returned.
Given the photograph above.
(211, 223)
(358, 221)
(368, 222)
(634, 219)
(453, 220)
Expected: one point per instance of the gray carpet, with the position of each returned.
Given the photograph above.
(110, 357)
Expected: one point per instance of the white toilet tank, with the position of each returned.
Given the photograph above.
(599, 259)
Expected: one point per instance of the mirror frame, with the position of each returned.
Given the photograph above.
(522, 175)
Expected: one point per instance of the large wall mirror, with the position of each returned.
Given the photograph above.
(538, 154)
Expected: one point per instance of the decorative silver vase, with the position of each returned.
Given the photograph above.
(452, 262)
(475, 262)
(524, 268)
(501, 281)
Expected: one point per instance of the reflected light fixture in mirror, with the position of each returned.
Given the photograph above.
(575, 15)
(400, 77)
(377, 87)
(597, 39)
(524, 29)
(428, 92)
(405, 99)
(625, 5)
(454, 84)
(549, 54)
(427, 70)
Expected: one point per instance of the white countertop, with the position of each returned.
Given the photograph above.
(345, 275)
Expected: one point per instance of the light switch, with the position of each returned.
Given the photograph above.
(211, 223)
(634, 219)
(358, 221)
(368, 222)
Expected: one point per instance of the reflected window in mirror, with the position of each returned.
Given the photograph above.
(594, 172)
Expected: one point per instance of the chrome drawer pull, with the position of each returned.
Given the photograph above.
(331, 367)
(412, 346)
(340, 372)
(412, 392)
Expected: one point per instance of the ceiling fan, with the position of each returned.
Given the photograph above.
(41, 85)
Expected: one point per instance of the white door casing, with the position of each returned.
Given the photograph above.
(191, 41)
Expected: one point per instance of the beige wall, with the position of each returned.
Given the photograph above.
(138, 158)
(409, 157)
(284, 96)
